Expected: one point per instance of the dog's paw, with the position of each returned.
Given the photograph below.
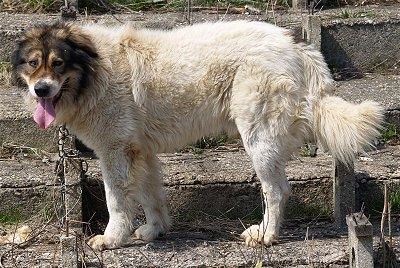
(148, 232)
(100, 243)
(254, 235)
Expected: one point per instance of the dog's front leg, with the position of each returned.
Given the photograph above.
(132, 177)
(120, 202)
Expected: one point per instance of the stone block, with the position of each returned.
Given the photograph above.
(69, 254)
(360, 241)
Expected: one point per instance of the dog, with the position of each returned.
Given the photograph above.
(132, 93)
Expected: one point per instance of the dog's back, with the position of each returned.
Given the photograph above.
(208, 71)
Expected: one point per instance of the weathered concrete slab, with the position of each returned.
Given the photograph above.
(227, 180)
(383, 89)
(17, 125)
(215, 184)
(194, 249)
(361, 47)
(208, 194)
(197, 249)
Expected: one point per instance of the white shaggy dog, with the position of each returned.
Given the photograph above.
(130, 94)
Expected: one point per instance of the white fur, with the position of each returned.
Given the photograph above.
(157, 91)
(54, 86)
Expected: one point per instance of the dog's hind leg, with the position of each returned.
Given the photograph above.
(269, 165)
(268, 112)
(152, 198)
(270, 134)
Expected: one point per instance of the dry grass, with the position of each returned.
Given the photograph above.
(31, 6)
(5, 74)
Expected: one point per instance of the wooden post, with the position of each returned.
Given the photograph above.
(311, 30)
(70, 171)
(73, 3)
(297, 4)
(360, 241)
(73, 195)
(69, 10)
(73, 212)
(71, 175)
(343, 192)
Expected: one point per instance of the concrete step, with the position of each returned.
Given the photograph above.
(381, 88)
(216, 183)
(210, 196)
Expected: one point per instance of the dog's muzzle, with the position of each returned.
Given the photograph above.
(42, 89)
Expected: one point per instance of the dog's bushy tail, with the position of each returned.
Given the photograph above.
(341, 127)
(345, 128)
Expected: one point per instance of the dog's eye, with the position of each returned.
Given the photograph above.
(57, 63)
(33, 63)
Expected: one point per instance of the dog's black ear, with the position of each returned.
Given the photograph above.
(16, 58)
(76, 38)
(16, 61)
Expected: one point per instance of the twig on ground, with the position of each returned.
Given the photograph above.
(384, 214)
(22, 148)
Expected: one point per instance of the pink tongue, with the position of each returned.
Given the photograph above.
(45, 113)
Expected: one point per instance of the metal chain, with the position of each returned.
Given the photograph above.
(66, 149)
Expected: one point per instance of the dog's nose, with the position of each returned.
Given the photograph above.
(42, 89)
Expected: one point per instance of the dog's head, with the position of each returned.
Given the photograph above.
(55, 62)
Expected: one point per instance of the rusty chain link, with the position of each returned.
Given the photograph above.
(67, 150)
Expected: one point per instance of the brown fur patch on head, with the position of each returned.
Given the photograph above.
(41, 49)
(48, 34)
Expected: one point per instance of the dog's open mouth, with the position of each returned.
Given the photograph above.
(45, 112)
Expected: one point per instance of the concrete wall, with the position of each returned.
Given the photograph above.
(362, 47)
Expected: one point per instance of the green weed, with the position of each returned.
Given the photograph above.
(304, 151)
(32, 5)
(136, 5)
(390, 133)
(39, 5)
(10, 217)
(345, 14)
(5, 66)
(176, 4)
(208, 143)
(47, 212)
(348, 14)
(394, 198)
